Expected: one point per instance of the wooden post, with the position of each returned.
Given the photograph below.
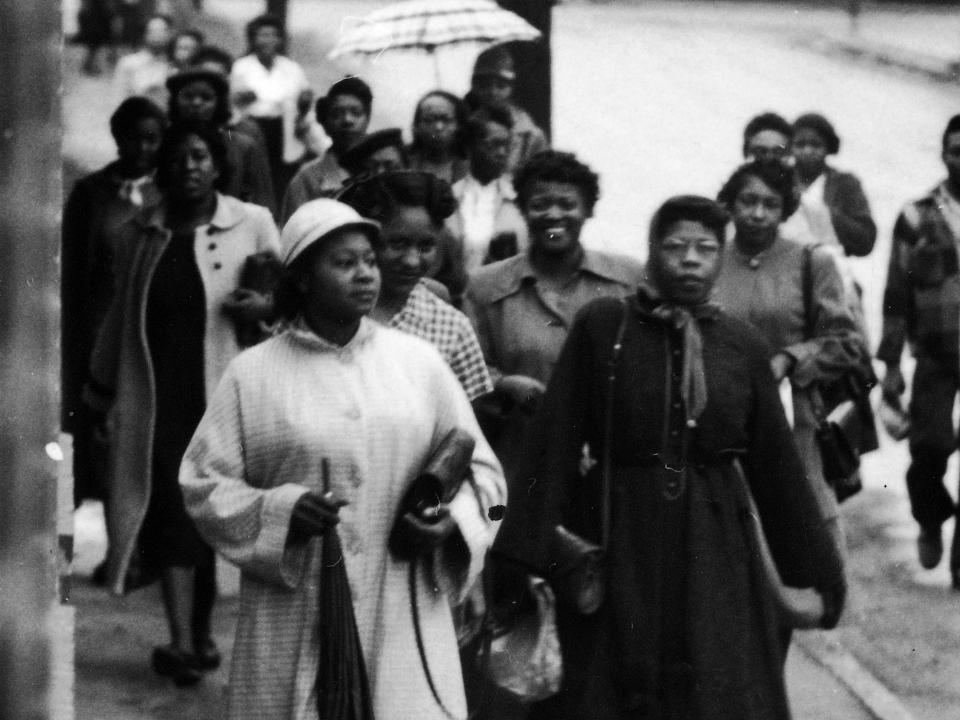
(29, 207)
(278, 8)
(534, 88)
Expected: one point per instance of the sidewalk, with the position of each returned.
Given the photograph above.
(114, 638)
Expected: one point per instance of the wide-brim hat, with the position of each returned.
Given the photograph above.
(184, 77)
(316, 220)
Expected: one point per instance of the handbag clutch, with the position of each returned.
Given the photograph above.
(838, 436)
(437, 483)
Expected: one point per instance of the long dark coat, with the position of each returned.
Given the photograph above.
(686, 630)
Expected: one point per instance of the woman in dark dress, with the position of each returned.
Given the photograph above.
(166, 339)
(687, 628)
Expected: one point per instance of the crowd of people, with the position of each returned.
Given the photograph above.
(274, 319)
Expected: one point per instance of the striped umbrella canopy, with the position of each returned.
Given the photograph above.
(429, 24)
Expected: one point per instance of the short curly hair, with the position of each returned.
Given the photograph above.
(822, 127)
(378, 197)
(780, 178)
(765, 121)
(174, 138)
(133, 110)
(560, 167)
(262, 21)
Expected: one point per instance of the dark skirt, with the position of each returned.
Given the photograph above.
(176, 320)
(280, 172)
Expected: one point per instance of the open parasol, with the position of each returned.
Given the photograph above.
(343, 691)
(428, 24)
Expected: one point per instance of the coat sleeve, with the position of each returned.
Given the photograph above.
(540, 491)
(850, 213)
(898, 294)
(257, 181)
(246, 524)
(795, 525)
(105, 357)
(478, 504)
(835, 345)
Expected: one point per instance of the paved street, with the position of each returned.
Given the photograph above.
(654, 96)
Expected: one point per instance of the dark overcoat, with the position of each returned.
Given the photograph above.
(687, 629)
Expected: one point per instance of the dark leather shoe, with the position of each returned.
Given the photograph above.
(930, 546)
(206, 655)
(955, 578)
(176, 664)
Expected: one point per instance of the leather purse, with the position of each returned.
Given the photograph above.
(577, 573)
(838, 437)
(261, 272)
(437, 483)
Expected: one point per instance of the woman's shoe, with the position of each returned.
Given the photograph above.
(206, 655)
(176, 664)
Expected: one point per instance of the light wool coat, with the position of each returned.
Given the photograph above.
(376, 409)
(121, 365)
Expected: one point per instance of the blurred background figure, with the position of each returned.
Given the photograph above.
(768, 137)
(203, 96)
(274, 91)
(167, 337)
(145, 71)
(96, 206)
(344, 114)
(218, 60)
(183, 46)
(96, 21)
(487, 224)
(492, 84)
(833, 207)
(439, 142)
(379, 152)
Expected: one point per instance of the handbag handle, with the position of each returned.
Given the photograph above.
(606, 463)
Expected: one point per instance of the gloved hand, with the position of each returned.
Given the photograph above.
(420, 531)
(524, 392)
(834, 597)
(313, 514)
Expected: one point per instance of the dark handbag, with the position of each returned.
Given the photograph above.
(837, 435)
(438, 483)
(846, 426)
(577, 573)
(261, 272)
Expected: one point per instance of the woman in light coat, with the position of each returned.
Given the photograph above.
(164, 343)
(372, 404)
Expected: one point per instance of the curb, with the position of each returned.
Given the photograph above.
(872, 694)
(930, 66)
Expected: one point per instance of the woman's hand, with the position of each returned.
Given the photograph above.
(313, 514)
(833, 598)
(522, 391)
(245, 305)
(781, 364)
(423, 530)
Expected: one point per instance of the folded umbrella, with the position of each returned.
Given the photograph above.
(343, 690)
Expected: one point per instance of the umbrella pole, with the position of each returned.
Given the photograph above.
(436, 66)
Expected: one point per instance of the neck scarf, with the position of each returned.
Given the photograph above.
(685, 318)
(132, 190)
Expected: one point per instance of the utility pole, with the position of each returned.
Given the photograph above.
(534, 88)
(279, 9)
(29, 207)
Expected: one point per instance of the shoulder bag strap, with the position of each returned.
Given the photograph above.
(606, 466)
